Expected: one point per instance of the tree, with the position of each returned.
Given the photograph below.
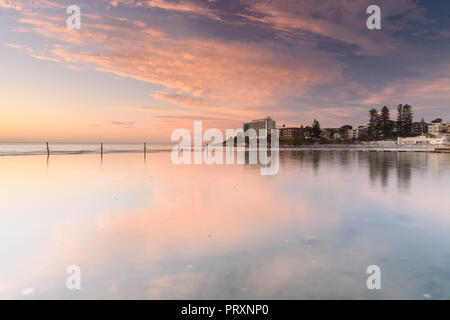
(438, 120)
(408, 116)
(316, 128)
(405, 120)
(374, 123)
(423, 126)
(400, 121)
(385, 122)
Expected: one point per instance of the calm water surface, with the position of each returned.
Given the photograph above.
(150, 229)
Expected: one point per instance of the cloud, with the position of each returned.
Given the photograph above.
(30, 52)
(11, 4)
(182, 6)
(443, 34)
(123, 124)
(341, 20)
(243, 59)
(181, 99)
(205, 72)
(143, 108)
(26, 5)
(426, 93)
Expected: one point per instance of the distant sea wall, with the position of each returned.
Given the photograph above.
(370, 147)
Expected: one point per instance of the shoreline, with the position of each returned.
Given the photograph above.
(371, 148)
(358, 148)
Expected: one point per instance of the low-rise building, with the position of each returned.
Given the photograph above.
(308, 132)
(360, 131)
(423, 139)
(328, 133)
(290, 132)
(448, 130)
(345, 132)
(438, 129)
(419, 128)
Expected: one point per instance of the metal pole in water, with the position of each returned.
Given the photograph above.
(101, 148)
(48, 149)
(145, 151)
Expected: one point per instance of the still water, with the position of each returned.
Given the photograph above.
(151, 229)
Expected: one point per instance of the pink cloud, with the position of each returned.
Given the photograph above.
(30, 52)
(219, 78)
(215, 73)
(418, 90)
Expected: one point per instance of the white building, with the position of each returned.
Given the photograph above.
(438, 129)
(422, 140)
(266, 123)
(359, 131)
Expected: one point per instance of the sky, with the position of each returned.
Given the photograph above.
(137, 70)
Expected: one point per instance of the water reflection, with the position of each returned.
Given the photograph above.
(151, 229)
(382, 166)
